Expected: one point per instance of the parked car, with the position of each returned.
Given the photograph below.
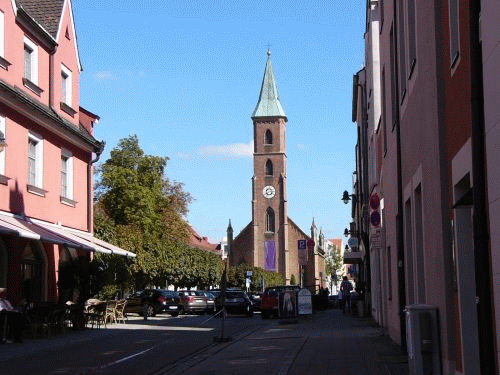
(193, 301)
(210, 301)
(237, 302)
(157, 301)
(255, 297)
(269, 300)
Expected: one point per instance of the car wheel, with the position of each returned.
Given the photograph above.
(173, 315)
(151, 311)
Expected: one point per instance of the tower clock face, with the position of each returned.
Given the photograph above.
(269, 192)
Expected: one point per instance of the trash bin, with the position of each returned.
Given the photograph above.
(361, 311)
(422, 331)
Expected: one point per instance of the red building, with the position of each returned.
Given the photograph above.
(47, 150)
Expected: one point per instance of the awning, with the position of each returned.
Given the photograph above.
(64, 233)
(98, 242)
(27, 229)
(52, 233)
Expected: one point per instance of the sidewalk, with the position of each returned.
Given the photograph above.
(326, 343)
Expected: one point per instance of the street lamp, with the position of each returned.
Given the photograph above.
(346, 232)
(3, 144)
(346, 197)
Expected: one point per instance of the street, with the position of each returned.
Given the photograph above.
(323, 343)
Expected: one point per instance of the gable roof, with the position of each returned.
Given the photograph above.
(47, 13)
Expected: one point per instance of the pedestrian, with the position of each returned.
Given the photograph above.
(345, 289)
(10, 317)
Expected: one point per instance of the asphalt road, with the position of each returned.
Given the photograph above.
(143, 347)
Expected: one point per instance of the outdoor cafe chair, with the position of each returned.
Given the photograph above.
(120, 310)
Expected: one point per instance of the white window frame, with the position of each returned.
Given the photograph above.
(2, 151)
(34, 61)
(38, 160)
(2, 34)
(69, 174)
(66, 86)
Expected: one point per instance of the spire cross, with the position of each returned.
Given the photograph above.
(268, 46)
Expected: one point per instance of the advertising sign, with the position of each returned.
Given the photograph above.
(305, 302)
(287, 303)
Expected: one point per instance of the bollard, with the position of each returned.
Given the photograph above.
(145, 311)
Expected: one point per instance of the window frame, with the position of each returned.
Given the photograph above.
(69, 174)
(3, 121)
(269, 169)
(454, 21)
(38, 179)
(33, 71)
(268, 137)
(270, 220)
(66, 86)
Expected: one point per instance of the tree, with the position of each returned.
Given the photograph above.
(334, 263)
(137, 207)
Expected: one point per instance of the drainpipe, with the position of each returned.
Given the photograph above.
(482, 250)
(399, 215)
(90, 202)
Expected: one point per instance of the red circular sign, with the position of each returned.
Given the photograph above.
(310, 244)
(374, 201)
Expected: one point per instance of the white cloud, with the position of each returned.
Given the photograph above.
(234, 150)
(104, 75)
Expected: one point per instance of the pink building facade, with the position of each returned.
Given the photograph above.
(426, 104)
(47, 152)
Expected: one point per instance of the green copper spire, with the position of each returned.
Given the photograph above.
(269, 104)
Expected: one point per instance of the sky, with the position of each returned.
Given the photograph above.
(185, 77)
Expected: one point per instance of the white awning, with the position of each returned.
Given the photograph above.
(63, 232)
(27, 229)
(41, 230)
(89, 237)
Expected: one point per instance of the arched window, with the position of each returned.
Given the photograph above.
(269, 137)
(270, 220)
(269, 168)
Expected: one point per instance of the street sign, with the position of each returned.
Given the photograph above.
(375, 218)
(310, 243)
(302, 250)
(249, 273)
(353, 242)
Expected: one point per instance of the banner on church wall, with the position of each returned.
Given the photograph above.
(270, 255)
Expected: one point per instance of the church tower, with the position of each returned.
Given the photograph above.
(269, 187)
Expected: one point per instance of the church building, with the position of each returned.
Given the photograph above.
(271, 240)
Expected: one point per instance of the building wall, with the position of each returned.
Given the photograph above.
(490, 19)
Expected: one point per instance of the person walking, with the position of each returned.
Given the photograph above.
(345, 289)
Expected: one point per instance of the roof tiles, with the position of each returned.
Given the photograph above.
(45, 12)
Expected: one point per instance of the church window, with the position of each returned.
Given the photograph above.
(269, 137)
(270, 220)
(269, 168)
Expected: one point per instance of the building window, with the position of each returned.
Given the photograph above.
(270, 220)
(269, 137)
(30, 61)
(2, 34)
(269, 168)
(2, 145)
(402, 51)
(454, 32)
(66, 86)
(35, 161)
(66, 175)
(412, 37)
